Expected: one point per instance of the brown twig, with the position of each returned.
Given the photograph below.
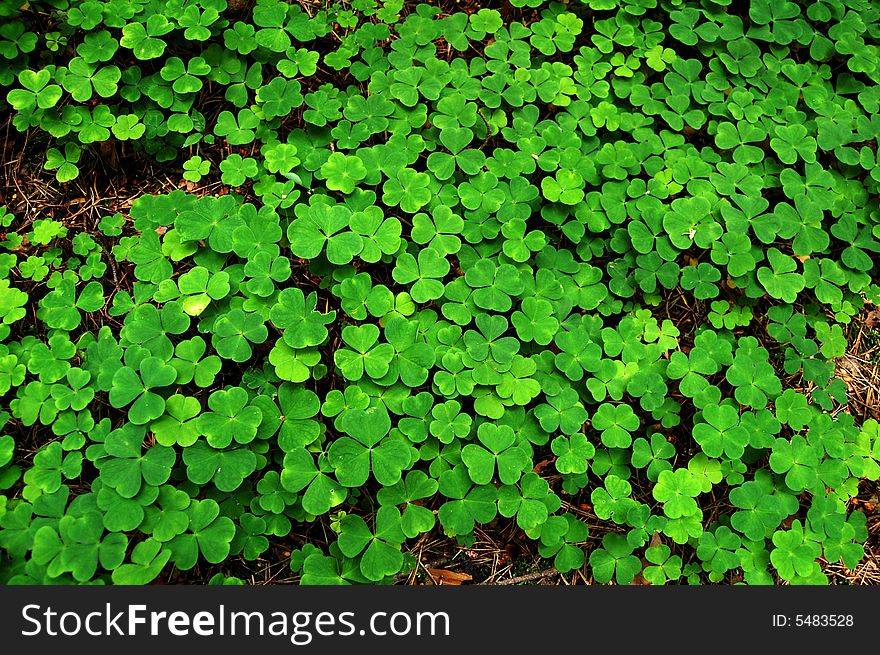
(529, 577)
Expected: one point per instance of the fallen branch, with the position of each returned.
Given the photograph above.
(528, 577)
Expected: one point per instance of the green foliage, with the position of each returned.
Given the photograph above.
(445, 270)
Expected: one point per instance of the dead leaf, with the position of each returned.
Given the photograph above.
(872, 320)
(639, 579)
(444, 577)
(109, 154)
(23, 245)
(870, 504)
(540, 466)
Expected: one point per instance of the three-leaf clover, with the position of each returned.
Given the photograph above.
(677, 491)
(135, 387)
(367, 449)
(614, 560)
(379, 548)
(343, 172)
(497, 452)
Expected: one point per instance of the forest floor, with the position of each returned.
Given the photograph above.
(500, 554)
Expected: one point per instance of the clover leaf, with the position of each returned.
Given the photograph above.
(795, 553)
(364, 354)
(126, 468)
(415, 519)
(130, 386)
(677, 490)
(231, 418)
(235, 331)
(408, 189)
(297, 315)
(343, 172)
(467, 504)
(722, 432)
(380, 550)
(208, 535)
(368, 450)
(426, 272)
(616, 422)
(324, 226)
(780, 279)
(614, 560)
(226, 468)
(498, 451)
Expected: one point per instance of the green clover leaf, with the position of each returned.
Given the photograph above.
(130, 386)
(343, 172)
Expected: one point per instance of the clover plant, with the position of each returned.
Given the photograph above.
(581, 274)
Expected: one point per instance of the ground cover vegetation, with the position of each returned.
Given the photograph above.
(579, 273)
